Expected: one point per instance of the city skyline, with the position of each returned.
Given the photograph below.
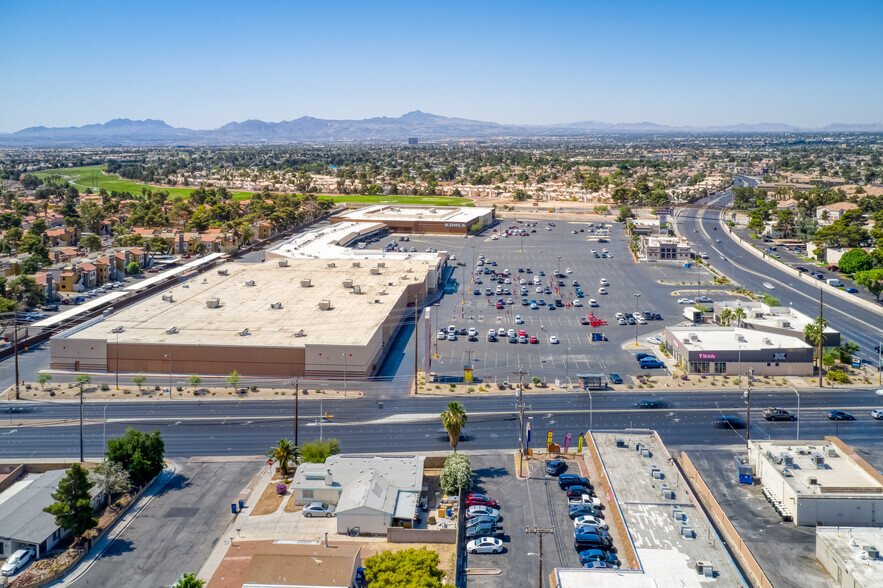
(204, 65)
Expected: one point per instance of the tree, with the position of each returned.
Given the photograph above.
(872, 280)
(26, 289)
(856, 260)
(601, 209)
(195, 380)
(43, 379)
(72, 508)
(407, 568)
(133, 268)
(625, 213)
(453, 420)
(283, 453)
(139, 379)
(518, 195)
(318, 451)
(82, 381)
(29, 241)
(814, 333)
(141, 454)
(92, 242)
(189, 581)
(456, 473)
(726, 317)
(739, 315)
(110, 478)
(233, 378)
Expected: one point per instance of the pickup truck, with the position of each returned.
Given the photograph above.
(778, 414)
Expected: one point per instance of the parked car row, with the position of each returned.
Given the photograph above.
(483, 530)
(591, 536)
(648, 361)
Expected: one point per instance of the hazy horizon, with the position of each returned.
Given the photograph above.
(201, 65)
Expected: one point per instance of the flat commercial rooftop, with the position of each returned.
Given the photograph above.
(352, 320)
(78, 309)
(666, 555)
(772, 314)
(725, 339)
(848, 544)
(330, 243)
(180, 269)
(837, 474)
(398, 212)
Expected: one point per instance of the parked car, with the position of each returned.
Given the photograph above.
(319, 509)
(484, 530)
(577, 490)
(485, 545)
(481, 510)
(778, 414)
(556, 467)
(649, 363)
(598, 555)
(685, 301)
(643, 355)
(615, 378)
(729, 422)
(583, 541)
(587, 520)
(578, 510)
(479, 520)
(481, 499)
(16, 562)
(584, 499)
(840, 415)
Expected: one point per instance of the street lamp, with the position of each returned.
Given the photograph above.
(637, 295)
(344, 364)
(733, 267)
(798, 412)
(169, 355)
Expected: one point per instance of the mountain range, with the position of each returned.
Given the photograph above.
(424, 126)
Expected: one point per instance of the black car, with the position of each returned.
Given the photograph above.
(603, 533)
(578, 490)
(565, 481)
(642, 355)
(615, 378)
(556, 467)
(484, 530)
(590, 555)
(651, 403)
(729, 422)
(578, 510)
(559, 303)
(583, 541)
(840, 415)
(657, 316)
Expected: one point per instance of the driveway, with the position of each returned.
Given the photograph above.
(176, 531)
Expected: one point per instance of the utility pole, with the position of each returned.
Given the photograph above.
(748, 408)
(415, 343)
(519, 404)
(821, 335)
(296, 414)
(539, 532)
(81, 421)
(15, 348)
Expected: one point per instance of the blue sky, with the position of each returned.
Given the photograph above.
(201, 64)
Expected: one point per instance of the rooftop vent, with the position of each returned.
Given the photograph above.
(357, 289)
(117, 329)
(381, 264)
(300, 333)
(348, 283)
(222, 272)
(167, 298)
(830, 451)
(306, 283)
(276, 305)
(324, 305)
(171, 330)
(357, 264)
(250, 283)
(213, 303)
(243, 332)
(332, 264)
(283, 263)
(374, 271)
(872, 552)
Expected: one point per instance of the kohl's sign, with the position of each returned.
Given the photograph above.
(708, 356)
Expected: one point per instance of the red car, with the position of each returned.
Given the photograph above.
(533, 339)
(481, 500)
(832, 268)
(499, 305)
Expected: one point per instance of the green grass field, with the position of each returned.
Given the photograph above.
(91, 176)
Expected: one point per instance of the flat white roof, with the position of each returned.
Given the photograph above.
(79, 309)
(772, 314)
(725, 339)
(330, 242)
(195, 264)
(447, 214)
(848, 543)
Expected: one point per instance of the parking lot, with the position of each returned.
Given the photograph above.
(632, 287)
(536, 502)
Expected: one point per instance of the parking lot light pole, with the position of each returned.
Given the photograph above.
(637, 295)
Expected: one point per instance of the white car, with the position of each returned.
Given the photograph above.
(593, 302)
(494, 238)
(568, 271)
(472, 332)
(485, 545)
(442, 336)
(519, 320)
(618, 315)
(604, 282)
(501, 332)
(577, 302)
(480, 510)
(510, 333)
(594, 252)
(588, 521)
(585, 499)
(602, 291)
(553, 340)
(319, 509)
(685, 301)
(877, 413)
(16, 562)
(641, 320)
(538, 289)
(654, 340)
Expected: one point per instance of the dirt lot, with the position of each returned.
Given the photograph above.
(61, 391)
(269, 501)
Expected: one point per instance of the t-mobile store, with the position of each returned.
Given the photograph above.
(733, 351)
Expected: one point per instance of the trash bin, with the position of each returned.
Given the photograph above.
(449, 512)
(241, 504)
(233, 508)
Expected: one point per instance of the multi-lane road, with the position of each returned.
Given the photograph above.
(855, 322)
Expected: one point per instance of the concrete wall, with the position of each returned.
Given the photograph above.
(855, 511)
(368, 520)
(402, 535)
(835, 566)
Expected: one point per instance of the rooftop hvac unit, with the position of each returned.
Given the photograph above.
(213, 302)
(223, 272)
(250, 283)
(305, 283)
(243, 332)
(872, 552)
(787, 459)
(357, 264)
(374, 271)
(324, 305)
(768, 341)
(167, 298)
(117, 329)
(381, 264)
(332, 264)
(620, 442)
(171, 330)
(813, 481)
(705, 568)
(688, 533)
(818, 459)
(694, 337)
(348, 283)
(357, 289)
(276, 305)
(283, 263)
(830, 451)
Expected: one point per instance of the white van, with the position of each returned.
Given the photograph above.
(834, 282)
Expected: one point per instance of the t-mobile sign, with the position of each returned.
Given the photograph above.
(708, 356)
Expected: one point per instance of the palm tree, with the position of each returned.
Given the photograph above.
(189, 581)
(726, 317)
(284, 453)
(739, 315)
(814, 332)
(453, 420)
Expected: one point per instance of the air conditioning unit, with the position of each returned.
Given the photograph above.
(306, 283)
(276, 305)
(213, 302)
(348, 283)
(374, 271)
(324, 305)
(332, 264)
(381, 264)
(250, 283)
(357, 289)
(171, 330)
(117, 329)
(283, 263)
(872, 552)
(357, 264)
(830, 451)
(167, 298)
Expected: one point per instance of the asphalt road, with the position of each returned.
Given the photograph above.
(855, 322)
